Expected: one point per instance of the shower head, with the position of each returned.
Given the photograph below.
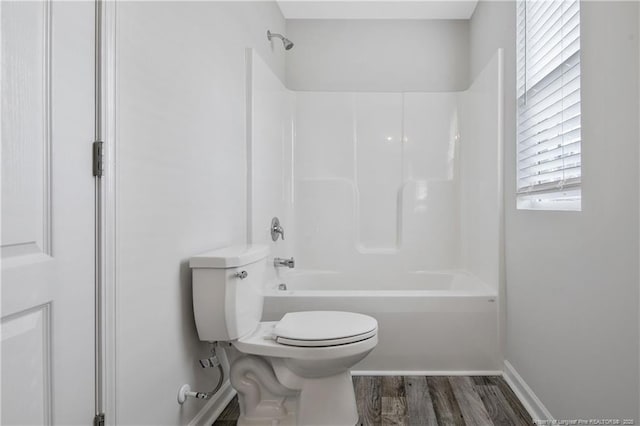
(288, 44)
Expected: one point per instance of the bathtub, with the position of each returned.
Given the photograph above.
(429, 323)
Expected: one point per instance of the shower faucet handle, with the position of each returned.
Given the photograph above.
(276, 229)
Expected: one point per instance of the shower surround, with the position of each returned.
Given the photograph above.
(391, 205)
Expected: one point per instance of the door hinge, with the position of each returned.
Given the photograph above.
(98, 158)
(98, 420)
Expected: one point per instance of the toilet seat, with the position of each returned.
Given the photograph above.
(262, 341)
(325, 343)
(323, 328)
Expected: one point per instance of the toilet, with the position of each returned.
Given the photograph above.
(295, 371)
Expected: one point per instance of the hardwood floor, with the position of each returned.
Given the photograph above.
(426, 401)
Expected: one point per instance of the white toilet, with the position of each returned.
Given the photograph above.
(295, 371)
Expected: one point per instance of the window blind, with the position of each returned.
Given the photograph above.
(548, 89)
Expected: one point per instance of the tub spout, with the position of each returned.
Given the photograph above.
(289, 263)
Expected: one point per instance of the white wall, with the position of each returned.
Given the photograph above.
(378, 55)
(182, 183)
(572, 277)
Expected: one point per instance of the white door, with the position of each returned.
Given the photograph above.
(47, 236)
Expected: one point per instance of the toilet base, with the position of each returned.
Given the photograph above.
(283, 398)
(328, 401)
(288, 420)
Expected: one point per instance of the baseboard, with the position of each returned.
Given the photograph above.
(214, 407)
(529, 400)
(426, 373)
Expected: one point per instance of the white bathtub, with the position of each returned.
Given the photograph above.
(429, 323)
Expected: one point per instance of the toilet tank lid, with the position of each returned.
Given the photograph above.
(230, 257)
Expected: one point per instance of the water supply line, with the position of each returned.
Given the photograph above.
(213, 361)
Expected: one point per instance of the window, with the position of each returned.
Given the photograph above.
(548, 78)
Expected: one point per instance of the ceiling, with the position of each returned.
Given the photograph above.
(377, 9)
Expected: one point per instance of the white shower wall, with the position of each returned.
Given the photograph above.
(480, 160)
(270, 154)
(374, 174)
(387, 182)
(391, 180)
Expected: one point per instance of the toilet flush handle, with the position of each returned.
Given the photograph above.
(242, 275)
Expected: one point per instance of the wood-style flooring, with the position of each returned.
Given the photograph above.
(433, 400)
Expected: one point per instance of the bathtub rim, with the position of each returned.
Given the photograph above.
(479, 287)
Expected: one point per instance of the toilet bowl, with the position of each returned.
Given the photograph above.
(317, 371)
(295, 371)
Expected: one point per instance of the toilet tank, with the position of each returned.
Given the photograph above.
(227, 291)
